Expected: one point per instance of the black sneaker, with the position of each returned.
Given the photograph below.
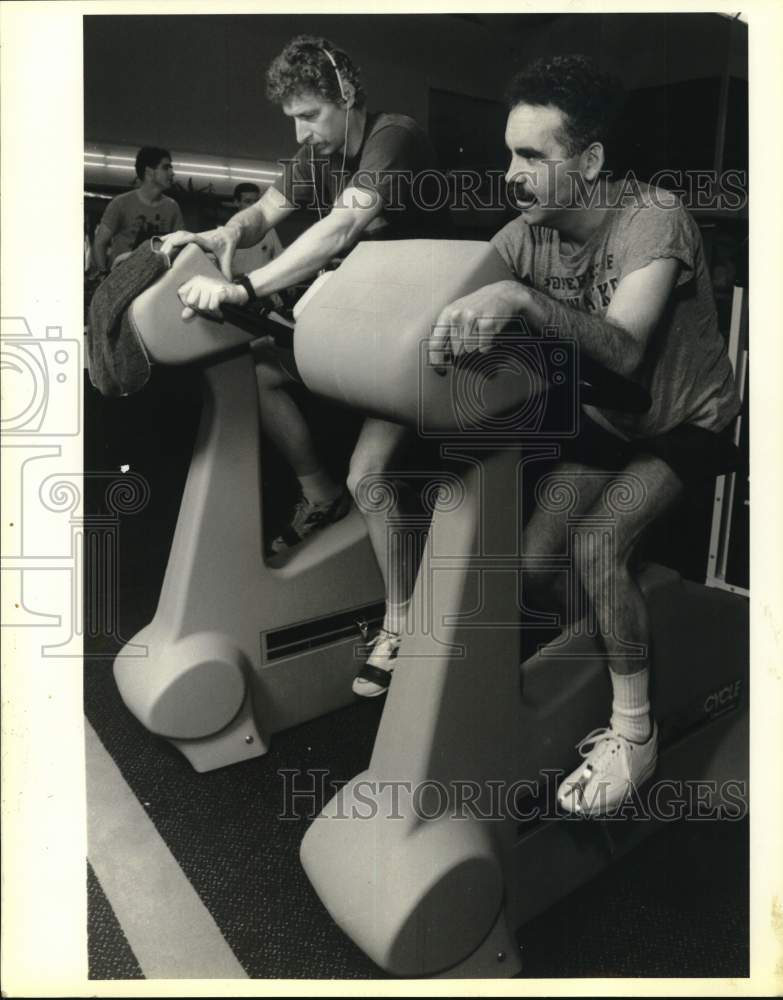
(309, 517)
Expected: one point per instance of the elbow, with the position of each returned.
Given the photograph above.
(344, 239)
(630, 365)
(341, 233)
(630, 356)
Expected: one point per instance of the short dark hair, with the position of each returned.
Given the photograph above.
(304, 67)
(589, 100)
(149, 156)
(246, 187)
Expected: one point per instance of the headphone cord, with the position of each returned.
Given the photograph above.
(342, 169)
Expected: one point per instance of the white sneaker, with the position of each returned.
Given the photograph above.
(613, 766)
(375, 676)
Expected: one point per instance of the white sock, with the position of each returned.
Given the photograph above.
(631, 705)
(394, 620)
(318, 487)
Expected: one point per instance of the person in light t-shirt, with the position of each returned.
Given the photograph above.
(135, 216)
(619, 268)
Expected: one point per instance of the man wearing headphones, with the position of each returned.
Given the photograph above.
(365, 175)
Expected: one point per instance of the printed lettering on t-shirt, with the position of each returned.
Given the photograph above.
(599, 297)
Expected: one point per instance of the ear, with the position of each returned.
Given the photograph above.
(350, 96)
(592, 160)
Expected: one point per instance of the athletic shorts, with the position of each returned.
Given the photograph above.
(266, 350)
(693, 453)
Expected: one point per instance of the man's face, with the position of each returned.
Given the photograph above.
(163, 174)
(247, 198)
(319, 124)
(538, 175)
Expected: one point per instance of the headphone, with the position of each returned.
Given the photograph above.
(343, 94)
(349, 104)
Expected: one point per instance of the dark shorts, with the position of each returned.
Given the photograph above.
(280, 353)
(693, 453)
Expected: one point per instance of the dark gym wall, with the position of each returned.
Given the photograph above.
(196, 83)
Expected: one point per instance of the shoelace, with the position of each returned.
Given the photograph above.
(316, 514)
(607, 742)
(384, 638)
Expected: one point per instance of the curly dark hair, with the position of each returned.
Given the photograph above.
(303, 67)
(590, 101)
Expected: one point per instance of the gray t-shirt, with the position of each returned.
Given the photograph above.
(686, 368)
(131, 220)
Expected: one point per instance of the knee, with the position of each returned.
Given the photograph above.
(268, 377)
(540, 581)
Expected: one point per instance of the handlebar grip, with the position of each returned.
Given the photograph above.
(258, 323)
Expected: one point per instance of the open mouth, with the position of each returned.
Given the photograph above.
(525, 201)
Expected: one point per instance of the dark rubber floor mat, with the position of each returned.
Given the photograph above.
(224, 830)
(676, 906)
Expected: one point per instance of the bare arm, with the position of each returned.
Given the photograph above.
(326, 239)
(252, 224)
(618, 340)
(330, 236)
(244, 229)
(100, 247)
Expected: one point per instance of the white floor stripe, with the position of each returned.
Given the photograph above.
(170, 931)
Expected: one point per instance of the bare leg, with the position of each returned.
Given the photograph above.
(396, 540)
(609, 513)
(282, 419)
(384, 505)
(644, 491)
(653, 489)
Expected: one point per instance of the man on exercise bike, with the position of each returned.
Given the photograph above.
(620, 269)
(365, 175)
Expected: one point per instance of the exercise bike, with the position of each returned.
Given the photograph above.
(432, 857)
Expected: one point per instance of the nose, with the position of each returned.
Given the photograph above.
(521, 180)
(303, 132)
(515, 174)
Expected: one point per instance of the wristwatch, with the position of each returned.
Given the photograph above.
(244, 281)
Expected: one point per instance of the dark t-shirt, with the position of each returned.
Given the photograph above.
(686, 367)
(396, 161)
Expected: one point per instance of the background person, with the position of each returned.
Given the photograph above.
(137, 215)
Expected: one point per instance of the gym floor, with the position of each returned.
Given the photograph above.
(196, 876)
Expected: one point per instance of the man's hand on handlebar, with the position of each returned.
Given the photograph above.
(203, 294)
(473, 322)
(221, 242)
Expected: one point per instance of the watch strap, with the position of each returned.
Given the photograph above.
(244, 281)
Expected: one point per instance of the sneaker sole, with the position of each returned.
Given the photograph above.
(369, 694)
